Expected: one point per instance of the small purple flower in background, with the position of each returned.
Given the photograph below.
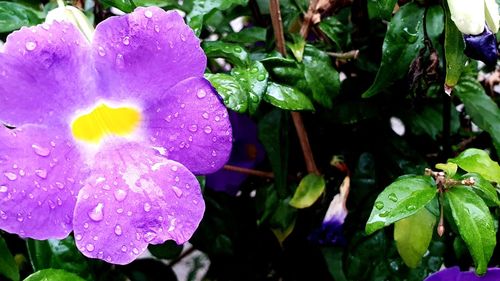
(454, 274)
(247, 153)
(107, 134)
(331, 230)
(482, 47)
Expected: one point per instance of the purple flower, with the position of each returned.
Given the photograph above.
(454, 274)
(482, 47)
(107, 134)
(331, 230)
(247, 152)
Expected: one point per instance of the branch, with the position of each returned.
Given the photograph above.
(250, 172)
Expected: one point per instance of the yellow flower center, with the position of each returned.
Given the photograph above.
(103, 121)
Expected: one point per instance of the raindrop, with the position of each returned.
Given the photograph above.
(85, 225)
(42, 173)
(22, 173)
(205, 115)
(147, 207)
(20, 217)
(201, 93)
(412, 207)
(177, 191)
(379, 205)
(119, 61)
(238, 49)
(78, 237)
(135, 251)
(384, 214)
(261, 77)
(45, 26)
(393, 197)
(217, 118)
(124, 248)
(42, 151)
(119, 210)
(89, 247)
(157, 28)
(118, 230)
(148, 14)
(149, 236)
(174, 168)
(3, 215)
(10, 176)
(59, 185)
(101, 51)
(120, 194)
(3, 188)
(183, 37)
(177, 179)
(193, 128)
(195, 202)
(126, 40)
(97, 214)
(188, 186)
(30, 45)
(207, 129)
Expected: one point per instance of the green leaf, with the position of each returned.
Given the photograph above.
(125, 5)
(233, 53)
(53, 275)
(484, 189)
(449, 168)
(168, 250)
(8, 266)
(430, 121)
(297, 46)
(253, 80)
(454, 47)
(334, 29)
(481, 108)
(474, 223)
(413, 236)
(266, 203)
(399, 200)
(322, 78)
(284, 215)
(203, 8)
(14, 16)
(233, 95)
(475, 160)
(61, 254)
(287, 98)
(310, 189)
(247, 35)
(381, 9)
(402, 43)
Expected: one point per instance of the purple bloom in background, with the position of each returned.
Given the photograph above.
(331, 230)
(247, 153)
(108, 134)
(482, 47)
(454, 274)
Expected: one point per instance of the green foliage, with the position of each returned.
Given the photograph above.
(454, 47)
(478, 161)
(310, 189)
(8, 266)
(53, 275)
(13, 16)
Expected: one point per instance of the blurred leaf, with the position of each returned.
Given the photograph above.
(413, 236)
(168, 250)
(284, 216)
(233, 53)
(287, 98)
(484, 189)
(253, 80)
(454, 47)
(334, 261)
(478, 161)
(399, 200)
(53, 275)
(481, 108)
(320, 75)
(126, 6)
(202, 8)
(8, 266)
(61, 254)
(334, 29)
(474, 223)
(297, 46)
(13, 16)
(281, 235)
(148, 270)
(248, 35)
(402, 43)
(430, 121)
(230, 90)
(449, 168)
(381, 9)
(310, 189)
(266, 203)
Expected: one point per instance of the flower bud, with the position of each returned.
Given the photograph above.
(468, 15)
(74, 16)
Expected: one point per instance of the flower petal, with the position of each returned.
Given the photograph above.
(482, 47)
(39, 180)
(134, 197)
(468, 15)
(191, 126)
(44, 74)
(141, 54)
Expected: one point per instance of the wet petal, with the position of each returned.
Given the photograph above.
(134, 198)
(454, 274)
(44, 74)
(39, 181)
(482, 47)
(141, 54)
(191, 126)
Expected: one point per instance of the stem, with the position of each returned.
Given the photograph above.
(440, 228)
(304, 29)
(353, 54)
(274, 7)
(250, 172)
(446, 127)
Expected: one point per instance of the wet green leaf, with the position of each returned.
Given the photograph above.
(310, 189)
(478, 161)
(168, 250)
(481, 108)
(53, 275)
(429, 121)
(322, 78)
(287, 98)
(475, 224)
(297, 47)
(8, 266)
(413, 236)
(124, 5)
(203, 8)
(334, 29)
(247, 35)
(13, 16)
(253, 80)
(381, 9)
(402, 43)
(449, 168)
(483, 188)
(454, 47)
(233, 95)
(401, 199)
(233, 53)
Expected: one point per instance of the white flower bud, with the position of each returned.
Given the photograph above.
(492, 15)
(468, 15)
(74, 16)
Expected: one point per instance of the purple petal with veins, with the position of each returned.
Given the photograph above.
(454, 274)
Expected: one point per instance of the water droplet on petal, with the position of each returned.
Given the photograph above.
(89, 247)
(78, 237)
(126, 40)
(207, 129)
(177, 191)
(3, 215)
(101, 51)
(183, 37)
(118, 230)
(20, 217)
(30, 45)
(157, 28)
(201, 93)
(120, 194)
(193, 128)
(120, 63)
(148, 14)
(3, 188)
(174, 168)
(42, 173)
(22, 173)
(59, 185)
(42, 151)
(205, 115)
(214, 153)
(147, 207)
(136, 251)
(379, 205)
(393, 197)
(10, 176)
(97, 213)
(124, 248)
(149, 236)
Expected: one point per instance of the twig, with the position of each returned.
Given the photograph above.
(308, 18)
(353, 54)
(250, 172)
(274, 8)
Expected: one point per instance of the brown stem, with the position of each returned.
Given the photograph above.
(274, 7)
(308, 18)
(250, 172)
(353, 54)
